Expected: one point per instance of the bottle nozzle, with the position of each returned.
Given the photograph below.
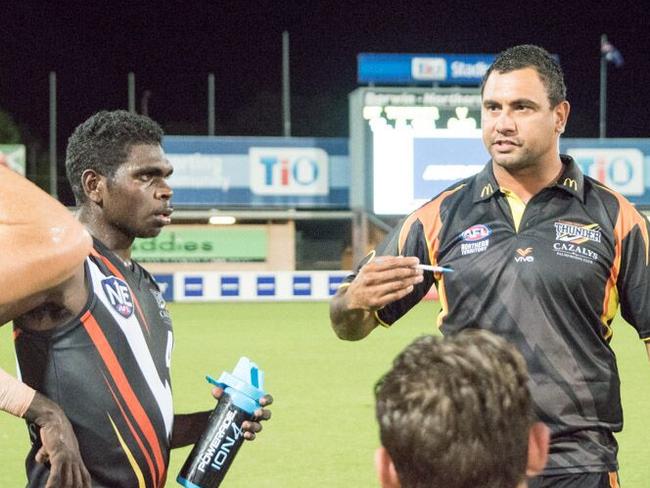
(246, 377)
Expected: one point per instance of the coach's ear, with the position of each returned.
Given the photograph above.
(385, 469)
(93, 185)
(561, 112)
(538, 442)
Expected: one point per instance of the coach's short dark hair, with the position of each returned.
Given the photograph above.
(103, 143)
(530, 56)
(456, 412)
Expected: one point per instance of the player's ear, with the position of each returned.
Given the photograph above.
(385, 469)
(538, 441)
(93, 185)
(561, 112)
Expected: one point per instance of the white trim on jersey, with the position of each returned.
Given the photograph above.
(132, 330)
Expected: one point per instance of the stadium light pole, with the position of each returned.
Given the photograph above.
(53, 163)
(211, 108)
(131, 81)
(144, 102)
(602, 126)
(286, 101)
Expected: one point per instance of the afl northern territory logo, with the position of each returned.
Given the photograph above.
(476, 233)
(119, 296)
(475, 239)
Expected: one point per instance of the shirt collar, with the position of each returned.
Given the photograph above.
(571, 180)
(486, 184)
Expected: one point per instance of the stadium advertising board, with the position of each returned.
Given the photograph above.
(253, 286)
(621, 164)
(256, 286)
(182, 244)
(409, 69)
(266, 172)
(13, 157)
(166, 285)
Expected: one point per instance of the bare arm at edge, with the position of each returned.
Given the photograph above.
(41, 243)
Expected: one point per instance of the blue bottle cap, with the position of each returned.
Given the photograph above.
(245, 384)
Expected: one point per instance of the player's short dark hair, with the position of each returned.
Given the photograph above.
(103, 142)
(456, 412)
(530, 56)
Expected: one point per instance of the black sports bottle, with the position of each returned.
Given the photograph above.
(215, 451)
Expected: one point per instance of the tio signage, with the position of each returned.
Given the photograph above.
(619, 169)
(434, 69)
(288, 171)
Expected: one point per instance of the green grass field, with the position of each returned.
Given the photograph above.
(323, 431)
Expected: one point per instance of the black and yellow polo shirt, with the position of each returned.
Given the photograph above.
(548, 276)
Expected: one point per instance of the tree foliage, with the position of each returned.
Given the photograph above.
(9, 132)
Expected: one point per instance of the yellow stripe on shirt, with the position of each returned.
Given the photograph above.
(517, 206)
(129, 455)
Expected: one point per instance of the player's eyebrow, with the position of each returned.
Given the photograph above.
(164, 170)
(489, 102)
(524, 101)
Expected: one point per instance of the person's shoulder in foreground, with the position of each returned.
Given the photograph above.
(456, 412)
(41, 243)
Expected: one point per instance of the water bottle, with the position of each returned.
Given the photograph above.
(215, 451)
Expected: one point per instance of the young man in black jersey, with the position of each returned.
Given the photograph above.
(96, 347)
(542, 255)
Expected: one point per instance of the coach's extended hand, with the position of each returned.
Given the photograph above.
(378, 283)
(60, 447)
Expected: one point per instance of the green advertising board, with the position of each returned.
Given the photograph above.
(196, 244)
(13, 156)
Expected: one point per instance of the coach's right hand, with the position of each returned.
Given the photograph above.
(60, 446)
(381, 281)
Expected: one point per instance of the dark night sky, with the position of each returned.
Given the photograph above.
(172, 46)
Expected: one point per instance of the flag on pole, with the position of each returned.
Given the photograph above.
(611, 54)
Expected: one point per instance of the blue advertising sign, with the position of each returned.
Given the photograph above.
(193, 286)
(259, 171)
(302, 285)
(265, 286)
(621, 164)
(334, 281)
(166, 284)
(230, 286)
(438, 163)
(409, 69)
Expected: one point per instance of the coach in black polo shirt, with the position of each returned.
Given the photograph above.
(542, 255)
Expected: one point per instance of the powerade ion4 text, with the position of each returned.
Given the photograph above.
(215, 451)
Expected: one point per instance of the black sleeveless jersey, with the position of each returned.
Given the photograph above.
(108, 369)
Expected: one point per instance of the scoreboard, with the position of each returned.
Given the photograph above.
(409, 143)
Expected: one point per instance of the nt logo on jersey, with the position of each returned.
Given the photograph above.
(119, 296)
